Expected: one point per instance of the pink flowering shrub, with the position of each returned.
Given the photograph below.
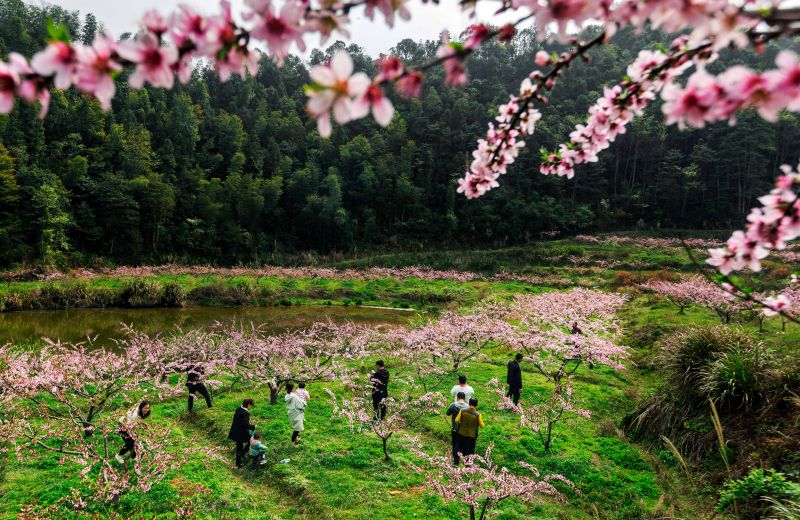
(481, 484)
(435, 352)
(697, 290)
(401, 414)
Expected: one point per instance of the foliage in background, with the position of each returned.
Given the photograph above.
(233, 172)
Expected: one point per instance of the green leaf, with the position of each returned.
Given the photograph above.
(57, 32)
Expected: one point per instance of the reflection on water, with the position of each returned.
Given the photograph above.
(78, 324)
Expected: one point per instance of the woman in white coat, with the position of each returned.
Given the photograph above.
(295, 408)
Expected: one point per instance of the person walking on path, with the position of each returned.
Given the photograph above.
(194, 382)
(296, 410)
(240, 430)
(469, 421)
(128, 424)
(462, 386)
(452, 412)
(514, 379)
(380, 390)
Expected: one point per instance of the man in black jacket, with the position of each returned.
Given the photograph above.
(380, 390)
(240, 430)
(514, 378)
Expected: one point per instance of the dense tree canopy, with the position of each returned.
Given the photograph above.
(233, 172)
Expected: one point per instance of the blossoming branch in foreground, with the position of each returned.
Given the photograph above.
(769, 227)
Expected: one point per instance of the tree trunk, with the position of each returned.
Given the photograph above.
(484, 509)
(387, 458)
(471, 512)
(274, 388)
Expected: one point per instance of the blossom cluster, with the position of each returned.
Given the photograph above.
(696, 290)
(168, 45)
(769, 227)
(500, 148)
(481, 481)
(620, 104)
(706, 98)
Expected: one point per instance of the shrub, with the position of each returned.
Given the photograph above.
(686, 354)
(67, 295)
(174, 295)
(143, 293)
(105, 297)
(739, 376)
(754, 492)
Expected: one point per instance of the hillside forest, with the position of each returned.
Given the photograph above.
(235, 172)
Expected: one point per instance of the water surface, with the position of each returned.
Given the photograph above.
(75, 325)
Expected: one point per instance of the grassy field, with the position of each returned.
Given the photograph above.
(338, 474)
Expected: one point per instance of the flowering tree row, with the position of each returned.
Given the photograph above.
(66, 398)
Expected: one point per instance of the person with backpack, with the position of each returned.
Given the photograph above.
(469, 422)
(452, 412)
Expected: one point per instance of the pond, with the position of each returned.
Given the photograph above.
(75, 325)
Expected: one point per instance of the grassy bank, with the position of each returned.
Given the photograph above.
(463, 278)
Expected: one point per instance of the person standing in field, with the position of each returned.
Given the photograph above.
(240, 430)
(452, 412)
(128, 424)
(469, 422)
(380, 390)
(295, 409)
(514, 379)
(194, 382)
(462, 387)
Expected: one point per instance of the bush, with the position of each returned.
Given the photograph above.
(143, 293)
(174, 295)
(754, 493)
(67, 295)
(686, 354)
(740, 376)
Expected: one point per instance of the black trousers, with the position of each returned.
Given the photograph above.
(466, 445)
(513, 393)
(241, 452)
(379, 406)
(454, 439)
(130, 444)
(198, 388)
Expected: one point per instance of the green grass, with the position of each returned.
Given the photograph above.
(341, 475)
(337, 474)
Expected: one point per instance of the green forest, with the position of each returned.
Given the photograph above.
(235, 173)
